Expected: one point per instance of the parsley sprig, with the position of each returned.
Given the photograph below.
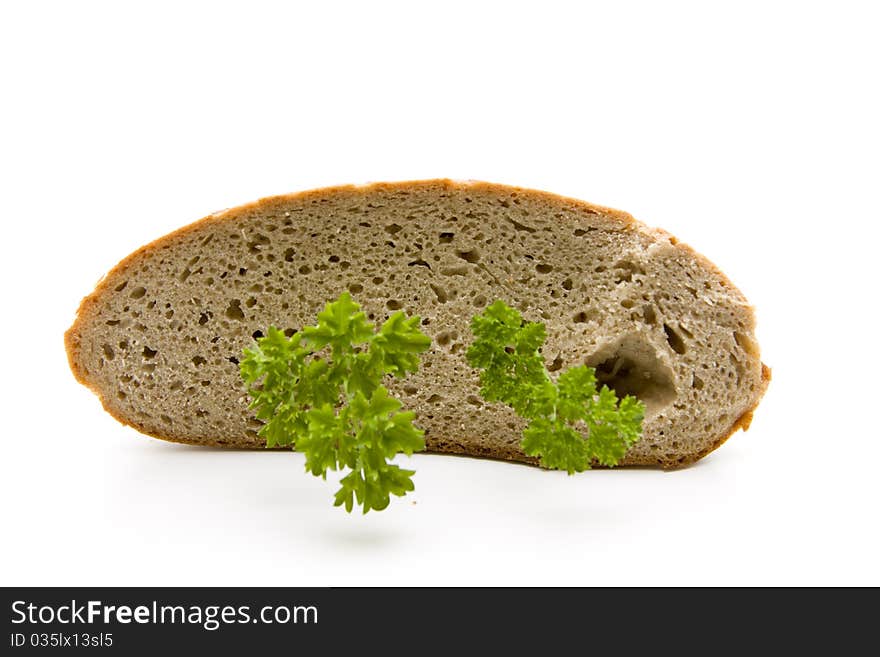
(320, 390)
(506, 351)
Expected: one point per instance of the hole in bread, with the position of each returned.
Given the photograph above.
(149, 353)
(393, 229)
(472, 255)
(355, 288)
(633, 366)
(444, 338)
(624, 271)
(556, 365)
(446, 238)
(108, 352)
(418, 263)
(234, 311)
(258, 243)
(121, 286)
(649, 314)
(567, 284)
(288, 255)
(460, 270)
(137, 292)
(543, 268)
(519, 226)
(746, 344)
(442, 297)
(393, 304)
(198, 361)
(674, 339)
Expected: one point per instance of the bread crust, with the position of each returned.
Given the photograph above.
(624, 221)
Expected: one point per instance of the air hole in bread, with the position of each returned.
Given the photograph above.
(746, 344)
(258, 243)
(442, 296)
(460, 270)
(632, 366)
(137, 292)
(393, 229)
(234, 311)
(149, 353)
(446, 238)
(625, 270)
(444, 338)
(199, 361)
(674, 339)
(108, 352)
(472, 255)
(393, 304)
(522, 227)
(556, 365)
(543, 268)
(355, 288)
(288, 255)
(567, 284)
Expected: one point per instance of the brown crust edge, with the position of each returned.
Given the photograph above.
(628, 222)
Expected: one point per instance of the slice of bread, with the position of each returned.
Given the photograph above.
(160, 337)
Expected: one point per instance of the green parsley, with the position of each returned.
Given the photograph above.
(506, 351)
(320, 390)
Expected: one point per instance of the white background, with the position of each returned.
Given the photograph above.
(749, 132)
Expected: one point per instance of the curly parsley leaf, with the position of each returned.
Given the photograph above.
(321, 391)
(571, 424)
